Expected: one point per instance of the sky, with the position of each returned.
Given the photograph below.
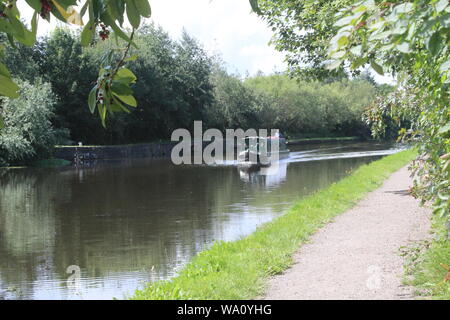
(225, 27)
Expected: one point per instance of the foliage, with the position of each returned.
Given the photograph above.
(386, 120)
(175, 87)
(237, 105)
(302, 30)
(181, 83)
(430, 270)
(276, 101)
(301, 107)
(112, 89)
(240, 269)
(410, 38)
(27, 133)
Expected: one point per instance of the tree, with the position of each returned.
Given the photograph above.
(302, 30)
(408, 38)
(318, 108)
(71, 73)
(235, 105)
(112, 89)
(27, 133)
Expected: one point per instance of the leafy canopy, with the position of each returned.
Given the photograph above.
(112, 91)
(407, 38)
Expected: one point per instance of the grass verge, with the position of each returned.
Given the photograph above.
(428, 262)
(240, 269)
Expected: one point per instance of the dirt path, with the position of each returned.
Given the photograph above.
(357, 256)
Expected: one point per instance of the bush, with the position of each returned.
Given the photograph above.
(327, 109)
(28, 133)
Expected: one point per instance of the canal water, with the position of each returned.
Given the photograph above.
(126, 223)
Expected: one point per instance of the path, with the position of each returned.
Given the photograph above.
(357, 255)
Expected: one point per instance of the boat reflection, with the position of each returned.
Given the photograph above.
(270, 176)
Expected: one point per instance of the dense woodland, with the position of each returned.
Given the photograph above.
(178, 82)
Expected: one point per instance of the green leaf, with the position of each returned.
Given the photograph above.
(58, 14)
(133, 14)
(2, 122)
(129, 100)
(118, 106)
(87, 34)
(131, 58)
(11, 40)
(127, 74)
(377, 67)
(361, 8)
(342, 41)
(35, 4)
(255, 6)
(8, 88)
(4, 71)
(435, 43)
(117, 9)
(358, 63)
(143, 7)
(18, 29)
(102, 113)
(92, 100)
(121, 88)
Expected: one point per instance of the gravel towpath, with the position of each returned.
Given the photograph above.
(357, 255)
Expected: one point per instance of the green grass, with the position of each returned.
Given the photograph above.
(240, 269)
(425, 261)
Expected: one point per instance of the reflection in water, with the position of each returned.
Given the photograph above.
(125, 223)
(266, 176)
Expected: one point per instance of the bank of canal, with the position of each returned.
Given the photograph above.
(240, 269)
(129, 223)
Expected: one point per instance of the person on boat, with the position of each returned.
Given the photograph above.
(279, 135)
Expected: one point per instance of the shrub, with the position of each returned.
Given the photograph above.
(28, 133)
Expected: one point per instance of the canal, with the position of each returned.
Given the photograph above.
(126, 223)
